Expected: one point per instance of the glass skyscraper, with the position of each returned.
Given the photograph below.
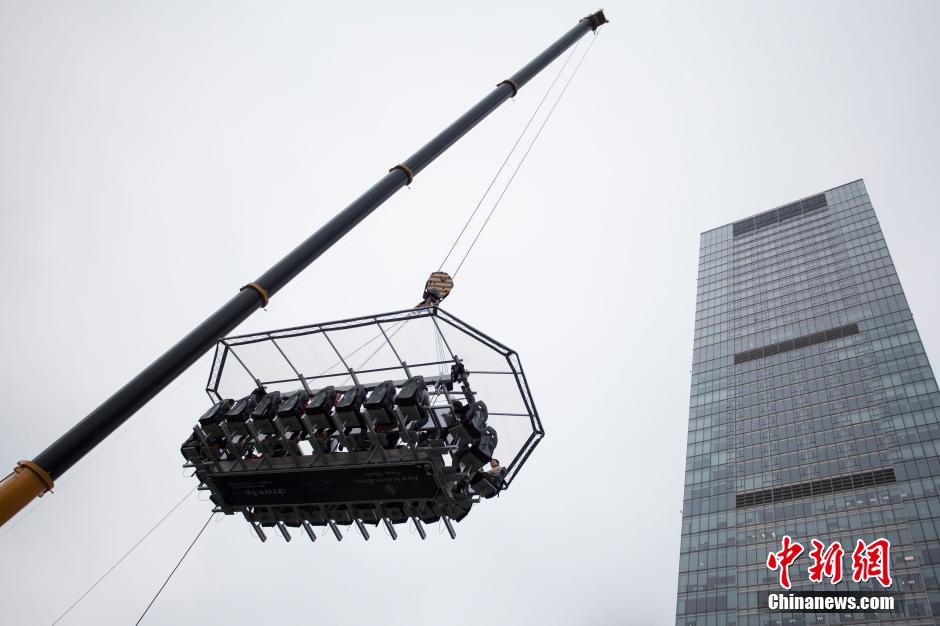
(814, 413)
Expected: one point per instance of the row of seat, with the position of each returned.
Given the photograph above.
(357, 418)
(299, 411)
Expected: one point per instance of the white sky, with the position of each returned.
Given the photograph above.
(154, 157)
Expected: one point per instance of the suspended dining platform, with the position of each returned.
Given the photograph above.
(362, 421)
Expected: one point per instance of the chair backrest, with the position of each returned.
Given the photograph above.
(471, 422)
(293, 404)
(381, 396)
(216, 411)
(267, 406)
(487, 442)
(240, 411)
(413, 392)
(381, 402)
(320, 407)
(348, 408)
(486, 485)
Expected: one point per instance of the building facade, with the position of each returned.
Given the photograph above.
(814, 413)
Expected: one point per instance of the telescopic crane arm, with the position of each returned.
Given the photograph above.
(31, 479)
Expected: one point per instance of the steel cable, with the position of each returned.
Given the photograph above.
(126, 554)
(508, 156)
(522, 160)
(180, 562)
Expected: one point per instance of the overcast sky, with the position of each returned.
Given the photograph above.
(155, 156)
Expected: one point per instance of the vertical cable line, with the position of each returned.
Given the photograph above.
(522, 160)
(508, 156)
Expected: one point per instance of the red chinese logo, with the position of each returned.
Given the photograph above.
(782, 560)
(869, 561)
(826, 563)
(872, 561)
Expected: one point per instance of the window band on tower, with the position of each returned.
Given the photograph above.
(775, 216)
(795, 344)
(821, 487)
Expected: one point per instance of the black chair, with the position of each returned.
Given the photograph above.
(479, 453)
(413, 401)
(471, 422)
(320, 408)
(241, 410)
(292, 406)
(209, 422)
(486, 484)
(238, 414)
(349, 409)
(267, 407)
(448, 415)
(380, 404)
(459, 509)
(192, 449)
(265, 411)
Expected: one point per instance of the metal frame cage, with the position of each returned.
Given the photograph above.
(370, 349)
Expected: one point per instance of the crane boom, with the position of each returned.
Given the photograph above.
(31, 479)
